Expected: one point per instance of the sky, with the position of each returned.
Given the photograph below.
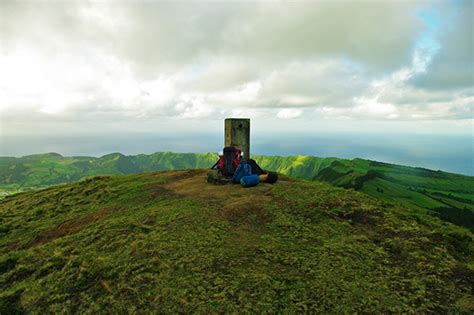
(93, 68)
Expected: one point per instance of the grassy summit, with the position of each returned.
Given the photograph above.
(169, 241)
(445, 195)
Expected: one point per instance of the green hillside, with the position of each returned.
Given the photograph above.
(43, 170)
(449, 196)
(446, 195)
(168, 242)
(304, 167)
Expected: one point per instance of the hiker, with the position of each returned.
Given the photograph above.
(232, 167)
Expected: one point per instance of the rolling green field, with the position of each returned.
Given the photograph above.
(446, 195)
(169, 242)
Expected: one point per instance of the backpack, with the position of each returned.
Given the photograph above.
(244, 169)
(228, 162)
(256, 169)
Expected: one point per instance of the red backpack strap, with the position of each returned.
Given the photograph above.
(221, 162)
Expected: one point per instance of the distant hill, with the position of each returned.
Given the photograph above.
(43, 170)
(449, 196)
(169, 242)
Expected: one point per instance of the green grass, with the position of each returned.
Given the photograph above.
(169, 242)
(393, 192)
(449, 196)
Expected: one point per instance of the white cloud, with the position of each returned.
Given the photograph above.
(371, 108)
(99, 14)
(289, 113)
(306, 60)
(194, 108)
(242, 95)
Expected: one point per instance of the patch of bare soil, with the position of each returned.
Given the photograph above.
(69, 227)
(194, 184)
(235, 203)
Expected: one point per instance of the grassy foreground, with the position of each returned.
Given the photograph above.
(169, 242)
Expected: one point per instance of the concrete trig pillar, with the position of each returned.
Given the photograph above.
(237, 133)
